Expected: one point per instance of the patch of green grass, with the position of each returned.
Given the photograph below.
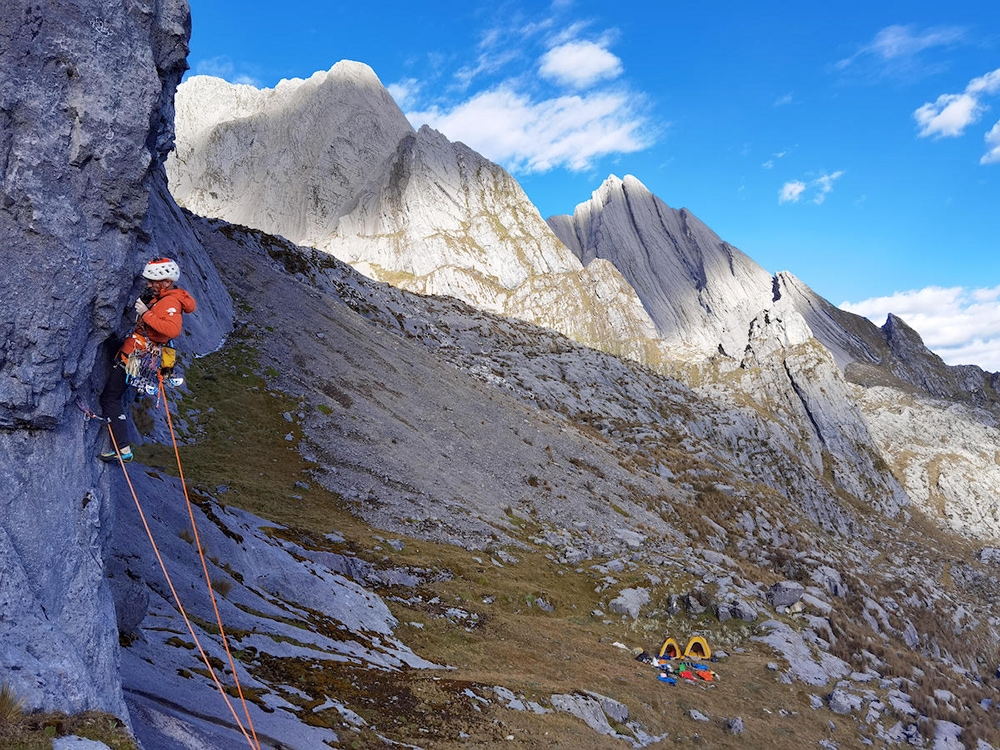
(36, 731)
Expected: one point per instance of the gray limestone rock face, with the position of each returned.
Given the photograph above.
(86, 119)
(700, 292)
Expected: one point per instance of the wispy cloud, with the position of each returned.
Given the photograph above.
(950, 114)
(960, 325)
(511, 102)
(896, 48)
(580, 64)
(405, 92)
(781, 101)
(527, 135)
(794, 190)
(769, 164)
(222, 67)
(791, 191)
(992, 155)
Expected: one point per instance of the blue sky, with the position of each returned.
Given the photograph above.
(855, 144)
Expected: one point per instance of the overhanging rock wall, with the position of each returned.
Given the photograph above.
(86, 118)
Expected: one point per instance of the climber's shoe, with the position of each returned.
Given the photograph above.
(112, 455)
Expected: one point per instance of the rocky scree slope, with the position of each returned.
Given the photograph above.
(616, 468)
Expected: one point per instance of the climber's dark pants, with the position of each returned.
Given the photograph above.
(112, 404)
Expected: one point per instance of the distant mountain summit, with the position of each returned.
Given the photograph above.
(283, 160)
(331, 162)
(700, 292)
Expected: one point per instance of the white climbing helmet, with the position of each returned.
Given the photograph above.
(161, 268)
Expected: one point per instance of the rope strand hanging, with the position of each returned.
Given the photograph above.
(204, 564)
(253, 742)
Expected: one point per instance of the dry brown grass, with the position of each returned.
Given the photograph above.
(518, 645)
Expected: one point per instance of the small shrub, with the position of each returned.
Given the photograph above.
(222, 586)
(11, 708)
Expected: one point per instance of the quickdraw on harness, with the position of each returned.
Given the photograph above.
(144, 361)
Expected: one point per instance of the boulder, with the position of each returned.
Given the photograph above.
(843, 702)
(785, 593)
(629, 602)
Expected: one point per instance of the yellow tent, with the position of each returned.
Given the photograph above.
(670, 649)
(697, 648)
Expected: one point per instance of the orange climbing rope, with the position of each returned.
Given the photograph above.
(254, 743)
(204, 564)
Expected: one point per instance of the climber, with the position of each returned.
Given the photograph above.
(160, 318)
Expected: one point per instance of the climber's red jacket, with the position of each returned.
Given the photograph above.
(162, 321)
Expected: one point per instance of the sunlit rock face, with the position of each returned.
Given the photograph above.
(332, 163)
(285, 160)
(700, 291)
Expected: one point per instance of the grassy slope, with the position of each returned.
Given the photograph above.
(236, 437)
(241, 444)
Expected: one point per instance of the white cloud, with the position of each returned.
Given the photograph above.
(579, 64)
(950, 114)
(487, 63)
(992, 155)
(524, 135)
(791, 192)
(405, 92)
(902, 43)
(960, 325)
(222, 67)
(783, 100)
(987, 84)
(824, 185)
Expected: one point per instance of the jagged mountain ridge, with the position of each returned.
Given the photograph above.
(642, 280)
(700, 292)
(436, 217)
(419, 211)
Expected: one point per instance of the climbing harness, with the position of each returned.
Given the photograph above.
(251, 735)
(142, 365)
